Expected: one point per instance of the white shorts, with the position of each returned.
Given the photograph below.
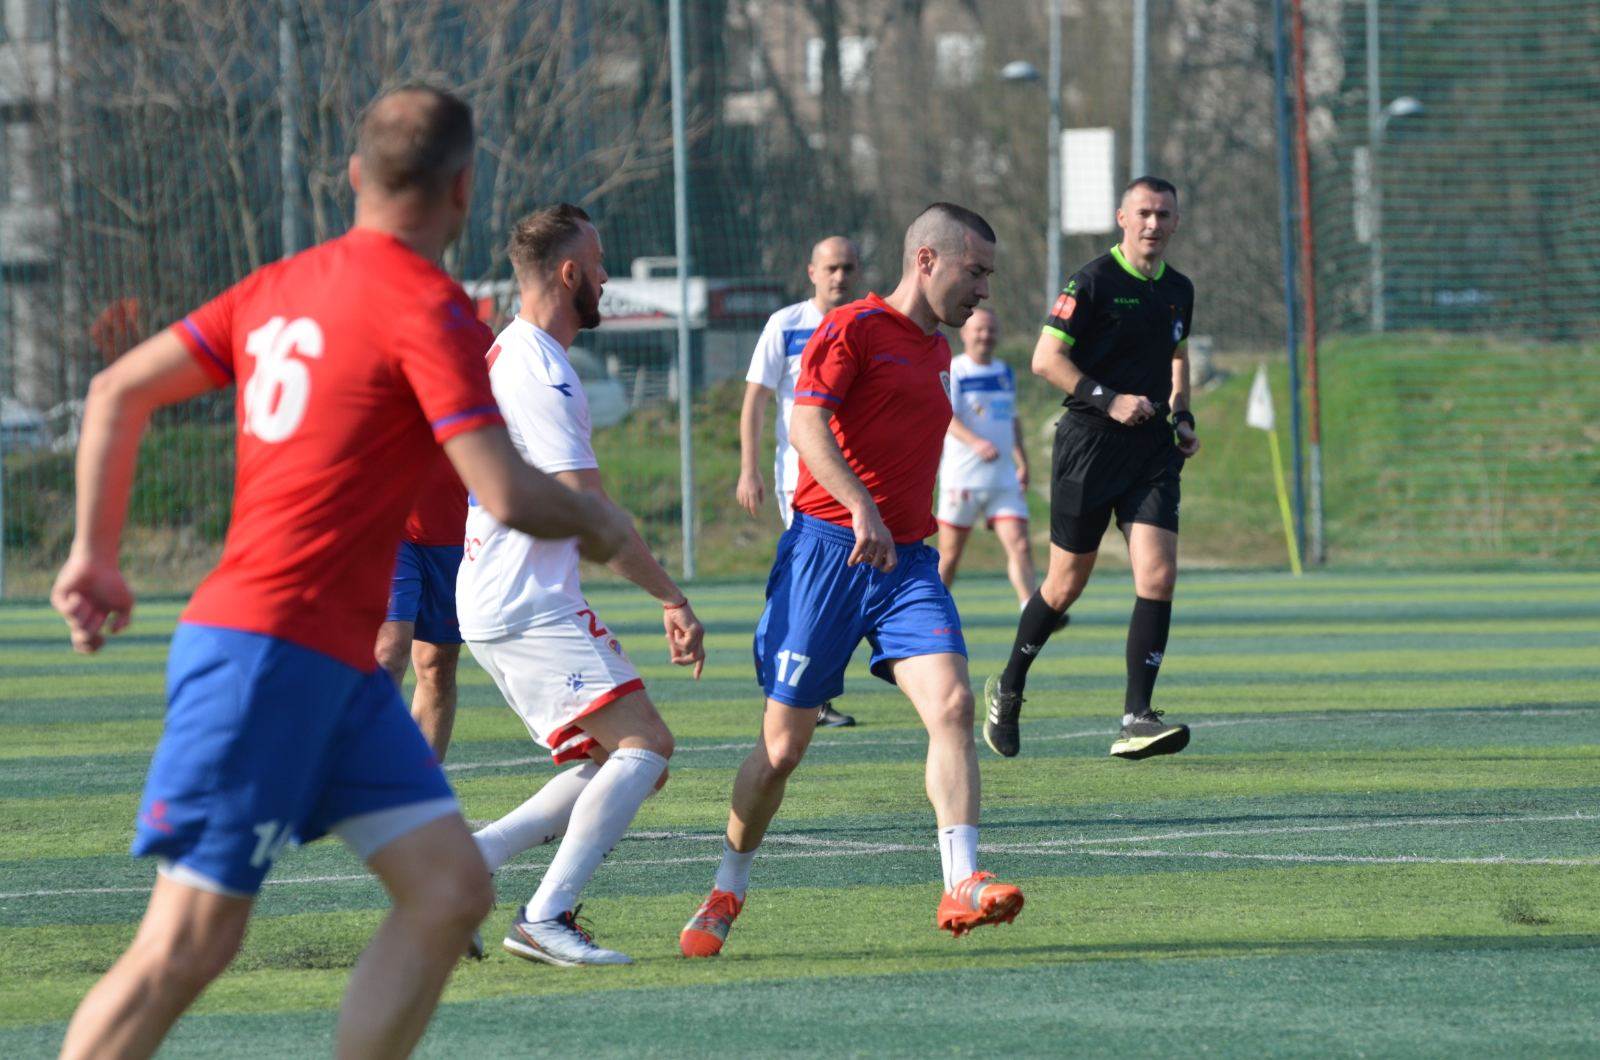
(962, 508)
(555, 673)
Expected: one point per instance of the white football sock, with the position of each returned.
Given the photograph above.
(604, 809)
(958, 853)
(733, 875)
(542, 819)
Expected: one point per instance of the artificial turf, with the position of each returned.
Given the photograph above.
(1384, 839)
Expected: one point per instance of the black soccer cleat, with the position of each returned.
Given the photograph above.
(1000, 730)
(1147, 735)
(828, 718)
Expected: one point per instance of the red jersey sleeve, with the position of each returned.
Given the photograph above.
(208, 334)
(828, 365)
(441, 355)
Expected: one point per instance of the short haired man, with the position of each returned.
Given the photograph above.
(833, 270)
(984, 473)
(871, 409)
(1116, 343)
(524, 616)
(353, 361)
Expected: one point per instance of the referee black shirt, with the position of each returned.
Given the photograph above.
(1123, 327)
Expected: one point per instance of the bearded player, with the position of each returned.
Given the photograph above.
(871, 409)
(524, 616)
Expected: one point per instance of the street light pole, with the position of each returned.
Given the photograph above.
(1053, 161)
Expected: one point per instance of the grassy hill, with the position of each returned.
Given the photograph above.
(1437, 450)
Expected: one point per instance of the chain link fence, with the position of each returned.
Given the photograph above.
(155, 151)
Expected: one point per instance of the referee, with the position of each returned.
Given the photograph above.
(1116, 345)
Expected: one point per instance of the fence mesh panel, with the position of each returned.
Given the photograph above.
(156, 151)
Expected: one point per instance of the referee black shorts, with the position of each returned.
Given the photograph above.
(1097, 469)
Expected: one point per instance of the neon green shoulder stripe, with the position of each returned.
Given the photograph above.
(1058, 333)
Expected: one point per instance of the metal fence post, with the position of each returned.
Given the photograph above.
(680, 211)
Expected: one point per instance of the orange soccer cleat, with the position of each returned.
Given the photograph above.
(977, 900)
(707, 930)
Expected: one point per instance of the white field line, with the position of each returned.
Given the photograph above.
(1335, 859)
(814, 847)
(1359, 717)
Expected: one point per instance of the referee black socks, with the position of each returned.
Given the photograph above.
(1147, 643)
(1038, 621)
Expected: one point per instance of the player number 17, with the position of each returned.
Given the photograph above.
(785, 675)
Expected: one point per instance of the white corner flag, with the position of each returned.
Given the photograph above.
(1258, 413)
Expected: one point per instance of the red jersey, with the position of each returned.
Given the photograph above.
(440, 515)
(888, 384)
(354, 361)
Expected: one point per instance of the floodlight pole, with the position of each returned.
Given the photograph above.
(1052, 280)
(1286, 199)
(289, 129)
(680, 212)
(1375, 125)
(1139, 108)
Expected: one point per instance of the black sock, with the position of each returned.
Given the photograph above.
(1147, 643)
(1038, 621)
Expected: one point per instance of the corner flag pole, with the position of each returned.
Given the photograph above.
(1259, 414)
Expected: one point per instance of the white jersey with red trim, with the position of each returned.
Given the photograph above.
(508, 580)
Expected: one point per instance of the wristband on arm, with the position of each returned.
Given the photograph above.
(1091, 393)
(1183, 416)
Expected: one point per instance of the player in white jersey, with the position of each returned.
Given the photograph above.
(984, 473)
(834, 270)
(523, 614)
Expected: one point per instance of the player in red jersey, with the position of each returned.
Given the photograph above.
(420, 629)
(871, 409)
(354, 360)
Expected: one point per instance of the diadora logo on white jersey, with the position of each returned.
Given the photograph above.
(275, 397)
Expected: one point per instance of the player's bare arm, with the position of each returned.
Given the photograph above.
(813, 439)
(1052, 362)
(751, 491)
(973, 440)
(524, 497)
(90, 590)
(1188, 441)
(635, 562)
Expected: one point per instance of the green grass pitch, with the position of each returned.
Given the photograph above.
(1383, 840)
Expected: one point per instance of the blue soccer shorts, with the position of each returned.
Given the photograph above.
(424, 591)
(267, 743)
(818, 610)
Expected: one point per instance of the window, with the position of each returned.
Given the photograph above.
(17, 176)
(855, 55)
(957, 58)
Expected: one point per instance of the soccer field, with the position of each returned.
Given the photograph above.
(1384, 839)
